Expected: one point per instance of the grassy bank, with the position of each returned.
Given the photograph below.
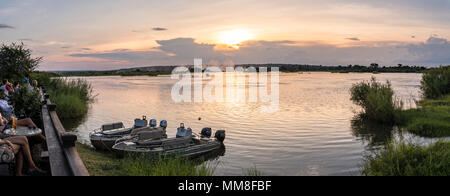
(431, 119)
(400, 159)
(106, 164)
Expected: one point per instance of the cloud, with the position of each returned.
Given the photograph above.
(353, 39)
(159, 29)
(4, 26)
(182, 51)
(434, 51)
(85, 49)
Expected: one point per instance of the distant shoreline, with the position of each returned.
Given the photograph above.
(285, 68)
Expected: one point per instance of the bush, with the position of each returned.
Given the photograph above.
(436, 83)
(377, 100)
(400, 159)
(16, 61)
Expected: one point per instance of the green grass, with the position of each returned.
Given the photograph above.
(170, 166)
(106, 164)
(401, 159)
(252, 172)
(99, 163)
(430, 119)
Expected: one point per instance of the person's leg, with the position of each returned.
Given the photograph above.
(25, 149)
(27, 122)
(19, 164)
(19, 159)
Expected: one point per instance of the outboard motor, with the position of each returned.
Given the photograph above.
(206, 132)
(220, 135)
(163, 124)
(139, 123)
(182, 132)
(153, 123)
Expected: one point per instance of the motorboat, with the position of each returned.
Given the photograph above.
(186, 144)
(105, 137)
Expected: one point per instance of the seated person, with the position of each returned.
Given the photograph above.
(27, 122)
(18, 148)
(34, 85)
(8, 110)
(4, 105)
(16, 86)
(26, 79)
(4, 88)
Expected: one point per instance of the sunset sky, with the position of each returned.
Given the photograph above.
(111, 34)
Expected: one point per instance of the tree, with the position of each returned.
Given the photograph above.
(374, 66)
(16, 61)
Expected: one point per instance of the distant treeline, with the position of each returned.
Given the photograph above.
(155, 71)
(111, 73)
(343, 69)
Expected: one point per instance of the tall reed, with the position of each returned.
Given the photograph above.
(72, 97)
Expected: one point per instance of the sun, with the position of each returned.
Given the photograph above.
(234, 38)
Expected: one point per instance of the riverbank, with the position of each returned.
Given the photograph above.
(431, 119)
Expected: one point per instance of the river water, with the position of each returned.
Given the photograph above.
(312, 133)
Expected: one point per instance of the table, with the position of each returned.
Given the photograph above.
(23, 131)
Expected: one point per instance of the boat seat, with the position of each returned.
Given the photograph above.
(144, 129)
(177, 143)
(117, 131)
(118, 125)
(112, 126)
(164, 142)
(155, 134)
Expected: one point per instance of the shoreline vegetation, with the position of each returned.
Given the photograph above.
(108, 164)
(286, 68)
(431, 119)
